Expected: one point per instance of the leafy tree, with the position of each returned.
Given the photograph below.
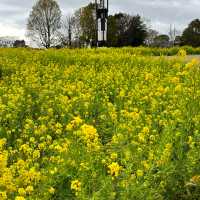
(126, 30)
(136, 33)
(19, 43)
(44, 22)
(118, 24)
(85, 23)
(177, 40)
(112, 32)
(123, 29)
(162, 41)
(191, 35)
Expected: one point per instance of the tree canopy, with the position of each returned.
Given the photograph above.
(46, 27)
(191, 35)
(44, 22)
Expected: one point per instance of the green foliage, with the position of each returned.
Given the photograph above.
(136, 33)
(99, 124)
(126, 30)
(191, 35)
(88, 23)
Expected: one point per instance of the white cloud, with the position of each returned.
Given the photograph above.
(162, 13)
(11, 30)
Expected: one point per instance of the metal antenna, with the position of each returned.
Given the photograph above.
(101, 21)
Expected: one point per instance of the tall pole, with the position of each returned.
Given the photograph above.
(96, 26)
(101, 21)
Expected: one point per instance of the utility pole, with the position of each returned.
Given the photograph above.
(101, 22)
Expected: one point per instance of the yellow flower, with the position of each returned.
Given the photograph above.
(58, 128)
(103, 161)
(2, 143)
(182, 53)
(114, 169)
(166, 154)
(192, 63)
(51, 190)
(21, 191)
(148, 76)
(29, 189)
(50, 112)
(146, 165)
(190, 140)
(140, 173)
(69, 127)
(177, 66)
(36, 154)
(84, 166)
(19, 198)
(134, 115)
(113, 156)
(76, 185)
(77, 121)
(152, 138)
(90, 136)
(195, 179)
(3, 160)
(32, 140)
(175, 80)
(141, 137)
(145, 130)
(3, 195)
(117, 138)
(178, 88)
(122, 93)
(89, 132)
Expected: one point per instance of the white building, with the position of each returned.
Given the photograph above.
(6, 42)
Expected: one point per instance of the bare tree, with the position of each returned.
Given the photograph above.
(151, 35)
(85, 24)
(44, 22)
(77, 26)
(67, 31)
(69, 26)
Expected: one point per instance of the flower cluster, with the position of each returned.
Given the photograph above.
(90, 137)
(114, 169)
(99, 124)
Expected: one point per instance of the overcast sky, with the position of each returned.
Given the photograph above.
(161, 13)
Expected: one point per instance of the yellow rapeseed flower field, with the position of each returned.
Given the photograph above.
(103, 124)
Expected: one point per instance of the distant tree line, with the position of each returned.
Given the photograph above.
(48, 28)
